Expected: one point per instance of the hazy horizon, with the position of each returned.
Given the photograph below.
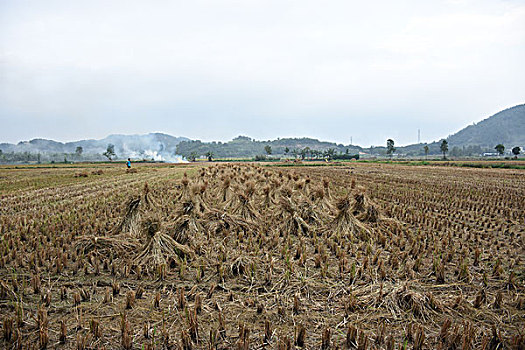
(214, 70)
(226, 140)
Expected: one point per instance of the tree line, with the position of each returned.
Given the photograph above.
(456, 151)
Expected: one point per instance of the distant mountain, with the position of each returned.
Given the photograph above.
(506, 127)
(243, 146)
(154, 145)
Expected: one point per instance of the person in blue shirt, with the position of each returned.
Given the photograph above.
(128, 163)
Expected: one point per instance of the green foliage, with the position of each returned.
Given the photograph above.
(500, 148)
(488, 165)
(268, 149)
(444, 148)
(390, 149)
(329, 153)
(243, 146)
(192, 156)
(506, 127)
(79, 150)
(469, 151)
(346, 156)
(28, 157)
(110, 152)
(516, 150)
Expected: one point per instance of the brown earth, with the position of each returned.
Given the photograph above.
(366, 256)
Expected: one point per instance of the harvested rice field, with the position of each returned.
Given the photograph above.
(244, 256)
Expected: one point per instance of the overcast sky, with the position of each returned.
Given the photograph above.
(212, 70)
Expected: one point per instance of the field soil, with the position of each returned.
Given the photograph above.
(277, 255)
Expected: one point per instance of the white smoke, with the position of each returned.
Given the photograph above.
(156, 156)
(153, 155)
(149, 148)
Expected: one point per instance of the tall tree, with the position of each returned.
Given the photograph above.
(516, 150)
(210, 156)
(390, 149)
(79, 150)
(193, 156)
(500, 148)
(444, 148)
(286, 151)
(426, 151)
(268, 149)
(308, 152)
(110, 152)
(329, 153)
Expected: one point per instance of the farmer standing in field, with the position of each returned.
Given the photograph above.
(128, 163)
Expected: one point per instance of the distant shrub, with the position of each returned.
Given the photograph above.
(346, 156)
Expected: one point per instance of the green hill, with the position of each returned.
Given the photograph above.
(156, 146)
(243, 146)
(506, 127)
